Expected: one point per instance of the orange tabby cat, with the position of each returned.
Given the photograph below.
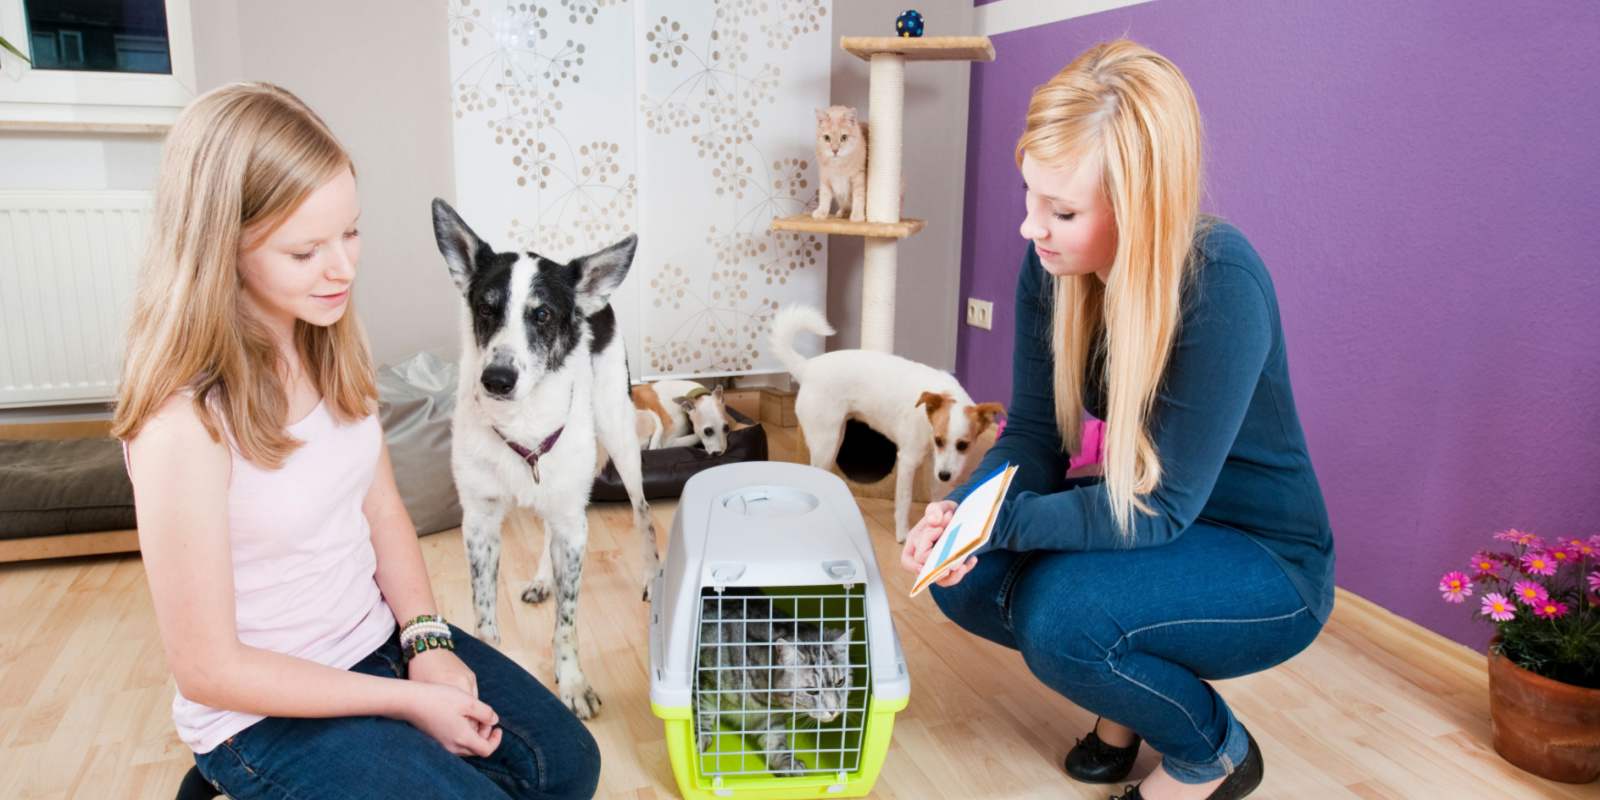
(842, 159)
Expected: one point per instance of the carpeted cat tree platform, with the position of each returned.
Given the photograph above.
(863, 452)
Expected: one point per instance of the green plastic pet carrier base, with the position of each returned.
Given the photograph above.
(693, 785)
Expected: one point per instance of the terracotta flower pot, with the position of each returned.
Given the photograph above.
(1549, 728)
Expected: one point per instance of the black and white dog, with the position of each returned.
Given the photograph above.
(544, 378)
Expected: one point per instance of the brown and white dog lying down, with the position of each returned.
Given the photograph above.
(685, 413)
(919, 408)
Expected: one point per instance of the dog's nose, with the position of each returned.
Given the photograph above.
(499, 381)
(944, 476)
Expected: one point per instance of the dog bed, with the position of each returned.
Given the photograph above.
(667, 469)
(55, 487)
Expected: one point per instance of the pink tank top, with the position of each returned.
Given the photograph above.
(303, 566)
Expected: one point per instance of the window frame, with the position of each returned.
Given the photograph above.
(39, 96)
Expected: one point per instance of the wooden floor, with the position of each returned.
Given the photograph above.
(1376, 708)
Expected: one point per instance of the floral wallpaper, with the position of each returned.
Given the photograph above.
(689, 123)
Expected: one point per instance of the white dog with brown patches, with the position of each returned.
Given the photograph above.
(919, 408)
(686, 413)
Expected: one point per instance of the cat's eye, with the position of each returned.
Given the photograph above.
(827, 138)
(843, 137)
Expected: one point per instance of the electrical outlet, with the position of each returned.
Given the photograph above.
(980, 313)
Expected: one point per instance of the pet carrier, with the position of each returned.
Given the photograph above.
(773, 660)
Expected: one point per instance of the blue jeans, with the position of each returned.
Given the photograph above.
(1133, 635)
(544, 752)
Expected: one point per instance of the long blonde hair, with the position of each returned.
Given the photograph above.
(236, 164)
(1129, 111)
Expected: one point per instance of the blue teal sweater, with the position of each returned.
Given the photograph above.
(1224, 423)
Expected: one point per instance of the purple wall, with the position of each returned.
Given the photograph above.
(1422, 179)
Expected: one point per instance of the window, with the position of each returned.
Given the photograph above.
(129, 62)
(94, 36)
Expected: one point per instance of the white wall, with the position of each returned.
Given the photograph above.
(927, 308)
(378, 73)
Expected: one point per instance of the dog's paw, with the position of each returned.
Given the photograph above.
(536, 592)
(489, 632)
(580, 697)
(820, 213)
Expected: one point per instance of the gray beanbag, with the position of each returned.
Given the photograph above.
(416, 399)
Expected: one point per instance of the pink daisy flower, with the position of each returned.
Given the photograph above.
(1455, 586)
(1511, 535)
(1530, 593)
(1561, 556)
(1538, 562)
(1485, 564)
(1550, 609)
(1594, 542)
(1594, 581)
(1497, 607)
(1579, 548)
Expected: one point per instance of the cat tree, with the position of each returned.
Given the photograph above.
(883, 229)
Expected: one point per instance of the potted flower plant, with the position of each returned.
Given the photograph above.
(1544, 661)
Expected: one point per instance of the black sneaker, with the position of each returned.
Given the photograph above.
(1091, 760)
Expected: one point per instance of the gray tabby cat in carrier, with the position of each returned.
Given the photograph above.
(761, 672)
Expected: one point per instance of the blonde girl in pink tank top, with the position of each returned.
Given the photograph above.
(292, 598)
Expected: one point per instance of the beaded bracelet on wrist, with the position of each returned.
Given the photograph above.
(423, 629)
(423, 644)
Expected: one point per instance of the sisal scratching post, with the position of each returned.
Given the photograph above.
(886, 115)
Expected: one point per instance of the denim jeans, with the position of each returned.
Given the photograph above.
(1134, 635)
(544, 752)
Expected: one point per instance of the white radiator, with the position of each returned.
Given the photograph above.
(67, 267)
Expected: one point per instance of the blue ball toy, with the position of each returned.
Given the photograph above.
(909, 24)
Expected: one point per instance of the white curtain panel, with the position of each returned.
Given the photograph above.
(690, 123)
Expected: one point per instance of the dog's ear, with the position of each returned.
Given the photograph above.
(457, 243)
(933, 400)
(984, 413)
(685, 403)
(716, 394)
(599, 274)
(988, 411)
